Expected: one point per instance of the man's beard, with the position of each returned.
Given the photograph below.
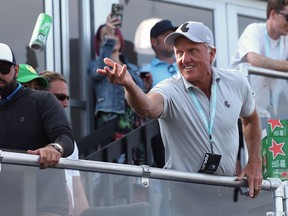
(8, 88)
(168, 54)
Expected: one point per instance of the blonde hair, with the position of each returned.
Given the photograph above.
(51, 76)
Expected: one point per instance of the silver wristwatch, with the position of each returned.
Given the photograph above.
(58, 147)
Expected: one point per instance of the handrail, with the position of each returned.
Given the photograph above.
(132, 170)
(265, 72)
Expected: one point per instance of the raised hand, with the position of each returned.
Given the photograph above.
(116, 73)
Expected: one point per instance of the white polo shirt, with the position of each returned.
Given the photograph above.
(267, 90)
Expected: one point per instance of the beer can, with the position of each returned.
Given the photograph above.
(40, 32)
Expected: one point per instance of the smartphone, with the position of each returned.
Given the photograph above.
(143, 74)
(117, 12)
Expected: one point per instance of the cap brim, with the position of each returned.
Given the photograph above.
(42, 81)
(7, 61)
(163, 30)
(170, 39)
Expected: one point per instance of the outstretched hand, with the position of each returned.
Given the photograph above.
(116, 73)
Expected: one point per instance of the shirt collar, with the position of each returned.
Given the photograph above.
(10, 97)
(155, 61)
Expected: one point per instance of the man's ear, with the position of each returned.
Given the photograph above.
(153, 41)
(272, 13)
(212, 55)
(16, 69)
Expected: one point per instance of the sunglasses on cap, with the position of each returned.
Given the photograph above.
(5, 68)
(285, 15)
(61, 97)
(171, 69)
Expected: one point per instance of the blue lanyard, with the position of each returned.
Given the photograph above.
(208, 126)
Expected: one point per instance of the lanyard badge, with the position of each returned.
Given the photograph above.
(210, 161)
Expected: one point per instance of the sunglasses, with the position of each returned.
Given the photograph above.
(61, 97)
(285, 15)
(171, 69)
(5, 68)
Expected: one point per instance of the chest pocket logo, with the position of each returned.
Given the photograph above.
(22, 119)
(227, 104)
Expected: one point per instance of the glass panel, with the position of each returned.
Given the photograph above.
(27, 190)
(109, 194)
(271, 97)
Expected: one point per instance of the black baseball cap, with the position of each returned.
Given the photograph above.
(160, 27)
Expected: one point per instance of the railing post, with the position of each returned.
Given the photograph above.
(285, 199)
(278, 195)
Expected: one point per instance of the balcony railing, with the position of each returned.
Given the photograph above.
(116, 188)
(113, 186)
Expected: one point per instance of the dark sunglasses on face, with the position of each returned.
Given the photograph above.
(5, 68)
(61, 97)
(285, 15)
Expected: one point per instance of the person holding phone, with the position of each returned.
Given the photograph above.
(117, 12)
(111, 104)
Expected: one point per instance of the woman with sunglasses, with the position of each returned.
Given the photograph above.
(77, 198)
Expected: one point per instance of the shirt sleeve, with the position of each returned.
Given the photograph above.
(97, 63)
(248, 99)
(56, 123)
(251, 39)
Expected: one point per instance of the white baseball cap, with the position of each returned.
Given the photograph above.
(6, 53)
(194, 31)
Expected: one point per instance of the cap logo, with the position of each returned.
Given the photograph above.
(31, 69)
(184, 27)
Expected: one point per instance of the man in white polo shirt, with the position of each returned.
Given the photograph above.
(265, 45)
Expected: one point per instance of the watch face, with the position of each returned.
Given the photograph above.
(58, 147)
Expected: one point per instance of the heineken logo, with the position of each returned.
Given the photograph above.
(276, 149)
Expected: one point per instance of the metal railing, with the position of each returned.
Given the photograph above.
(146, 174)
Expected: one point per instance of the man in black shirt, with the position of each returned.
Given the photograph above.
(34, 122)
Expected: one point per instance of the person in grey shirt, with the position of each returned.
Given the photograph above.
(198, 110)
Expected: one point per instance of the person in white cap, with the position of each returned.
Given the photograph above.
(33, 122)
(198, 110)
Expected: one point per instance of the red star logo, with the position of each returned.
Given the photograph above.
(284, 174)
(274, 123)
(276, 149)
